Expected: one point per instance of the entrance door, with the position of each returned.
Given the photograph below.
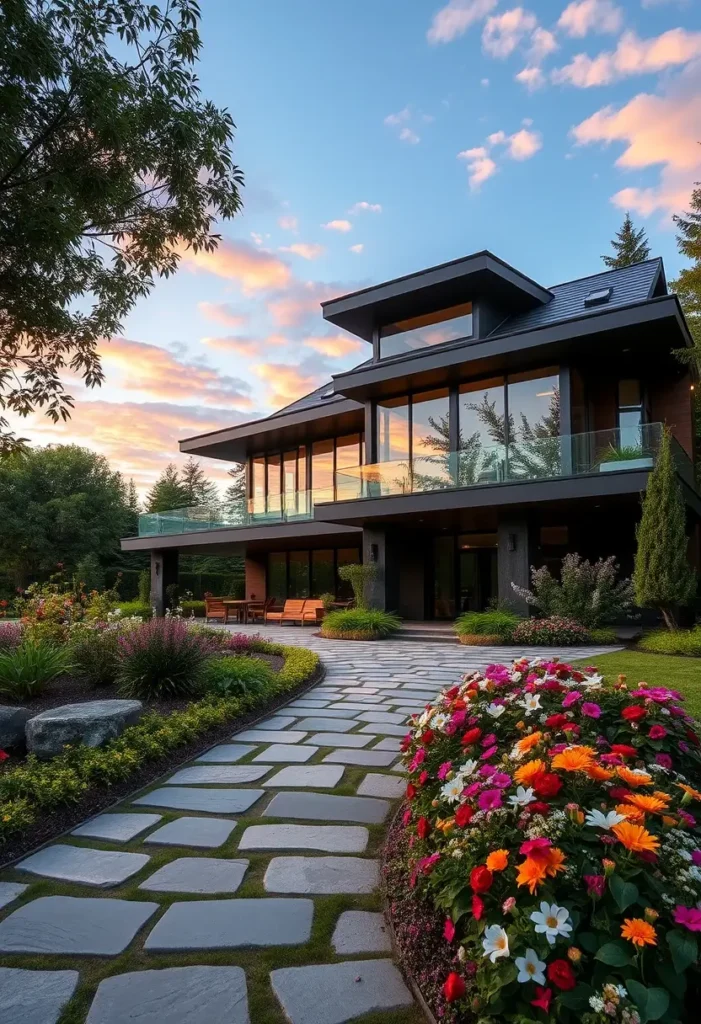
(478, 577)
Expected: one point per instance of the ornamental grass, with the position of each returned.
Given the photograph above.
(551, 820)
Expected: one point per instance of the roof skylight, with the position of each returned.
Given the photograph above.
(598, 296)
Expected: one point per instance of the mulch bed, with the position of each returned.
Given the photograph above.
(55, 823)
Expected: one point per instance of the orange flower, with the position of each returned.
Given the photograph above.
(639, 932)
(689, 790)
(530, 771)
(662, 796)
(633, 778)
(498, 860)
(635, 837)
(531, 873)
(528, 742)
(555, 861)
(444, 825)
(649, 804)
(668, 820)
(598, 773)
(574, 759)
(631, 813)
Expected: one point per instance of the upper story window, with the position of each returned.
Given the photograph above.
(425, 331)
(631, 412)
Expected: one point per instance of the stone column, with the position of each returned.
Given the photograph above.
(378, 550)
(513, 561)
(164, 571)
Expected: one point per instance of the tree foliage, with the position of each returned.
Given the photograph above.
(168, 492)
(111, 165)
(629, 246)
(663, 576)
(587, 592)
(198, 489)
(688, 284)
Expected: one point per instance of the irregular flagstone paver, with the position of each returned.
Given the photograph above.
(307, 703)
(226, 753)
(324, 807)
(322, 875)
(352, 706)
(197, 874)
(328, 724)
(218, 774)
(336, 993)
(281, 752)
(389, 743)
(313, 776)
(360, 931)
(176, 995)
(217, 801)
(80, 864)
(382, 729)
(117, 828)
(276, 722)
(75, 925)
(386, 717)
(371, 758)
(382, 785)
(339, 710)
(201, 832)
(9, 891)
(328, 838)
(339, 739)
(269, 736)
(230, 924)
(34, 997)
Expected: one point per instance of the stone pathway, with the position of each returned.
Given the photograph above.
(209, 900)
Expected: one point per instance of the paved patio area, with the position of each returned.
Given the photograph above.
(244, 886)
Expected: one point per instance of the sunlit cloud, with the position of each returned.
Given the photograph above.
(222, 313)
(456, 17)
(357, 248)
(338, 225)
(307, 250)
(302, 302)
(542, 44)
(632, 56)
(532, 78)
(287, 223)
(502, 33)
(286, 384)
(243, 346)
(406, 132)
(399, 118)
(253, 269)
(580, 18)
(335, 346)
(522, 145)
(364, 207)
(480, 165)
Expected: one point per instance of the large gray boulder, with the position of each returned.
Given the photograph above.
(12, 723)
(92, 724)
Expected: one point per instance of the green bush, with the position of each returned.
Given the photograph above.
(25, 671)
(130, 609)
(94, 650)
(588, 592)
(195, 608)
(495, 622)
(356, 622)
(551, 632)
(228, 676)
(89, 573)
(604, 635)
(145, 587)
(359, 576)
(675, 641)
(162, 659)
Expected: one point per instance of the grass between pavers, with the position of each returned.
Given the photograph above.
(257, 963)
(678, 673)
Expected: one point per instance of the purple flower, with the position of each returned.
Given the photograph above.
(684, 747)
(595, 885)
(688, 818)
(572, 697)
(489, 800)
(696, 858)
(590, 709)
(663, 760)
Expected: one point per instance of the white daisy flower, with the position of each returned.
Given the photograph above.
(451, 790)
(597, 819)
(522, 797)
(495, 942)
(531, 702)
(438, 722)
(468, 768)
(530, 968)
(551, 921)
(495, 710)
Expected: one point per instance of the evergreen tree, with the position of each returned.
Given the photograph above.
(235, 496)
(198, 489)
(688, 284)
(630, 246)
(663, 577)
(167, 493)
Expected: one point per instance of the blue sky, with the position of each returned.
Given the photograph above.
(378, 137)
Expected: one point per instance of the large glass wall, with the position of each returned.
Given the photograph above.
(482, 430)
(430, 440)
(322, 469)
(300, 574)
(286, 475)
(392, 419)
(435, 328)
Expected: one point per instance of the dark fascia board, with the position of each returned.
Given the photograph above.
(357, 382)
(359, 312)
(237, 439)
(240, 535)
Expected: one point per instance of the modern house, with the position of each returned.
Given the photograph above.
(495, 424)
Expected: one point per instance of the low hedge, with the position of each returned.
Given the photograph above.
(551, 632)
(677, 641)
(493, 626)
(359, 624)
(39, 786)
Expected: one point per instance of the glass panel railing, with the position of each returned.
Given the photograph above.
(254, 512)
(532, 458)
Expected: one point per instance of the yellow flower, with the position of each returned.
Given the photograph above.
(639, 932)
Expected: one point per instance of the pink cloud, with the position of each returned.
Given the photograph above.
(532, 77)
(456, 17)
(338, 225)
(632, 56)
(524, 144)
(287, 383)
(253, 269)
(335, 346)
(222, 313)
(503, 32)
(578, 19)
(480, 165)
(364, 207)
(301, 302)
(245, 346)
(307, 250)
(543, 43)
(357, 248)
(287, 223)
(409, 135)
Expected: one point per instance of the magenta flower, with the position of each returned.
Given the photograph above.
(489, 740)
(572, 697)
(471, 790)
(487, 770)
(663, 760)
(591, 710)
(688, 818)
(501, 780)
(406, 817)
(489, 800)
(488, 753)
(688, 917)
(534, 846)
(595, 885)
(611, 759)
(684, 747)
(657, 732)
(444, 769)
(418, 759)
(448, 930)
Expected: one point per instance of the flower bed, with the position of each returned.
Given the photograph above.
(555, 631)
(549, 823)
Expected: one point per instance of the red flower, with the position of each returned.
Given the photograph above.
(619, 792)
(543, 999)
(480, 879)
(3, 755)
(477, 907)
(633, 713)
(463, 815)
(538, 807)
(657, 732)
(562, 975)
(624, 750)
(454, 987)
(448, 930)
(452, 692)
(471, 736)
(427, 737)
(423, 827)
(547, 785)
(423, 778)
(410, 791)
(556, 721)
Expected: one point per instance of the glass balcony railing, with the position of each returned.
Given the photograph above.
(535, 458)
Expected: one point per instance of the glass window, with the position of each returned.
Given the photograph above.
(346, 556)
(323, 579)
(393, 430)
(277, 575)
(274, 502)
(482, 432)
(298, 574)
(348, 454)
(322, 470)
(258, 489)
(430, 439)
(534, 427)
(435, 328)
(630, 413)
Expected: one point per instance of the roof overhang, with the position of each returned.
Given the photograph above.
(481, 275)
(638, 326)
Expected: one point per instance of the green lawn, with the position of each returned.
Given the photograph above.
(683, 674)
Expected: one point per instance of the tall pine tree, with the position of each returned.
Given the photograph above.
(663, 577)
(688, 284)
(198, 489)
(630, 246)
(235, 497)
(168, 492)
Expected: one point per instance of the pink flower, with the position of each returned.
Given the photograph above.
(489, 800)
(591, 710)
(490, 740)
(501, 780)
(471, 790)
(611, 759)
(444, 769)
(417, 760)
(508, 905)
(657, 732)
(663, 760)
(534, 846)
(688, 917)
(696, 858)
(406, 817)
(688, 818)
(488, 753)
(595, 885)
(448, 930)
(572, 697)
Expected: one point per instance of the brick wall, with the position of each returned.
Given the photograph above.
(255, 580)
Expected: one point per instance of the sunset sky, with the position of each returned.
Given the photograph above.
(378, 137)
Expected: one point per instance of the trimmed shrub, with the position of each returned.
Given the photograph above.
(359, 624)
(588, 592)
(358, 576)
(228, 676)
(145, 587)
(162, 659)
(604, 635)
(675, 641)
(95, 651)
(495, 622)
(25, 671)
(134, 609)
(552, 632)
(10, 636)
(548, 823)
(195, 608)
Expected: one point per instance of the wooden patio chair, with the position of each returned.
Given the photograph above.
(214, 609)
(259, 609)
(310, 613)
(292, 612)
